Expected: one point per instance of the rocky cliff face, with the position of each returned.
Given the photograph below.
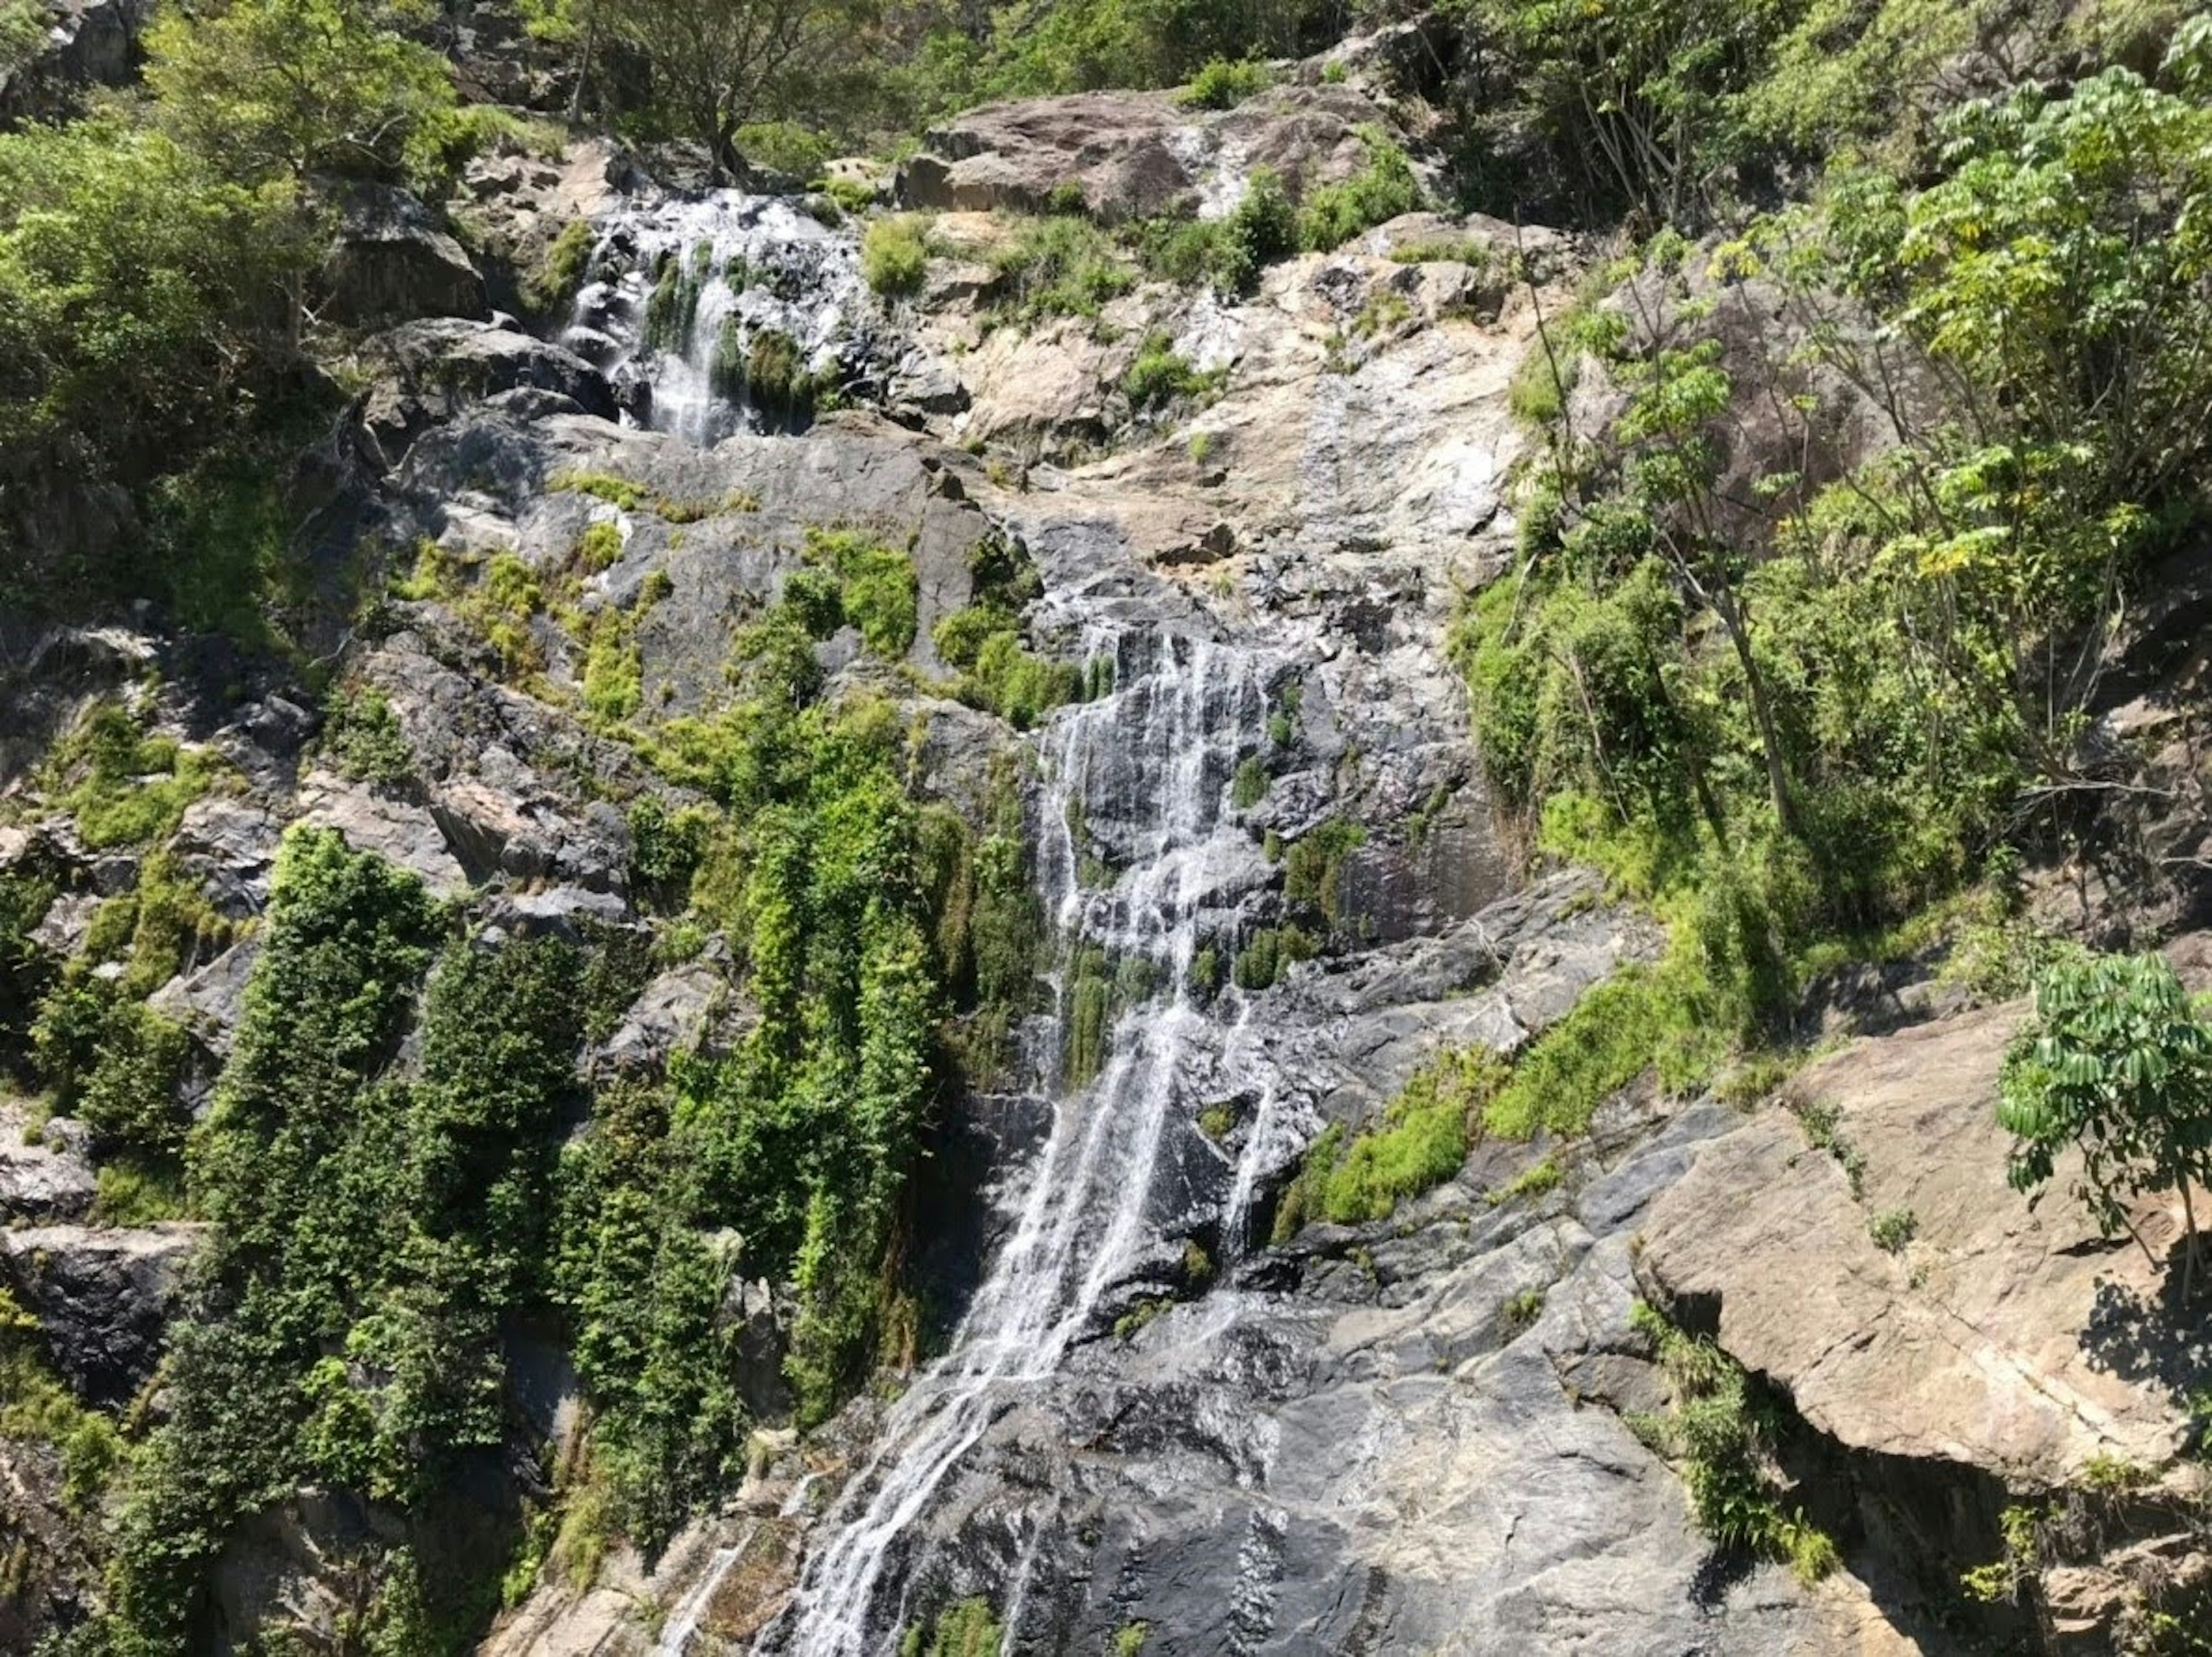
(1154, 1424)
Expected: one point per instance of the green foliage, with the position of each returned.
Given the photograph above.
(1161, 376)
(361, 735)
(766, 370)
(550, 285)
(1057, 266)
(1382, 189)
(115, 1064)
(2116, 1063)
(1421, 1142)
(877, 587)
(966, 1628)
(785, 147)
(277, 89)
(398, 1224)
(1847, 73)
(599, 548)
(1249, 785)
(617, 492)
(725, 69)
(983, 643)
(1720, 1432)
(1080, 46)
(894, 254)
(1268, 954)
(671, 310)
(2056, 267)
(1224, 83)
(614, 669)
(146, 298)
(123, 787)
(1892, 1229)
(1227, 253)
(1633, 99)
(1313, 865)
(1129, 1639)
(37, 1408)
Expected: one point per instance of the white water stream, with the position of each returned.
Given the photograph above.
(1157, 756)
(764, 264)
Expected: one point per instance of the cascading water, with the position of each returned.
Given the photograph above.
(1150, 764)
(705, 313)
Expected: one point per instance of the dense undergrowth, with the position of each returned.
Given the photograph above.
(1811, 707)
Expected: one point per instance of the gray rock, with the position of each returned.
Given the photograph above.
(210, 1001)
(229, 845)
(102, 1298)
(392, 262)
(406, 834)
(428, 370)
(47, 1179)
(90, 43)
(1134, 155)
(675, 1010)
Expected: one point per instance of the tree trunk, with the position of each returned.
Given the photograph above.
(584, 61)
(2189, 1260)
(1724, 605)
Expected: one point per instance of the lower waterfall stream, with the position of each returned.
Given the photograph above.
(1157, 755)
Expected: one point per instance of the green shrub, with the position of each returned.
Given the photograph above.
(1224, 83)
(1228, 254)
(1383, 189)
(1892, 1229)
(1057, 267)
(362, 738)
(1249, 786)
(614, 670)
(879, 589)
(125, 788)
(1421, 1142)
(1721, 1434)
(785, 147)
(600, 547)
(1313, 865)
(551, 286)
(114, 1063)
(1160, 375)
(894, 254)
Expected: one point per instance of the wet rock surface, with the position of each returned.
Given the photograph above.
(102, 1298)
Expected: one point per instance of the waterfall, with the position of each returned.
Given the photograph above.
(690, 300)
(1148, 766)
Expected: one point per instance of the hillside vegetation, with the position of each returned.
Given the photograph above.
(1850, 456)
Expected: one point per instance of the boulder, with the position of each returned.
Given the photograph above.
(402, 833)
(102, 1298)
(427, 371)
(1136, 154)
(43, 1178)
(229, 845)
(90, 43)
(211, 1001)
(2006, 1334)
(392, 262)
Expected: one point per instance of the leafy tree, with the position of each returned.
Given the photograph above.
(1635, 95)
(282, 88)
(718, 64)
(2118, 1063)
(145, 296)
(2060, 277)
